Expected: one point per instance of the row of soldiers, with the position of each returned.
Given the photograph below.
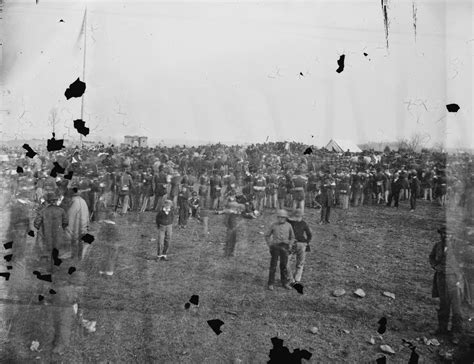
(144, 190)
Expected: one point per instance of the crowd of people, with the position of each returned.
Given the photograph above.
(57, 194)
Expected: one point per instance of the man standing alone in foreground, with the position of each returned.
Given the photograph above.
(283, 237)
(447, 283)
(164, 222)
(303, 237)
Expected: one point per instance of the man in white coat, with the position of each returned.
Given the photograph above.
(78, 224)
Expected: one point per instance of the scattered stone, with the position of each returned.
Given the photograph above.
(314, 330)
(389, 294)
(338, 292)
(346, 331)
(446, 354)
(433, 342)
(359, 292)
(89, 325)
(387, 349)
(34, 345)
(261, 232)
(371, 341)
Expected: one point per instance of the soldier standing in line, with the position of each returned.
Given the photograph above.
(327, 198)
(414, 190)
(447, 284)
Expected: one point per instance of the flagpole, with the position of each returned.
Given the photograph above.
(84, 67)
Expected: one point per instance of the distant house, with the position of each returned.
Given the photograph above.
(136, 141)
(342, 146)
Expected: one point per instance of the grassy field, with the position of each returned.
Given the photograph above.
(140, 310)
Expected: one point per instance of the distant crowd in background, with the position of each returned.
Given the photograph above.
(261, 176)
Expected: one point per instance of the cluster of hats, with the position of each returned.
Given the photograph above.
(295, 213)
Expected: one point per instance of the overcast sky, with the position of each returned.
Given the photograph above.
(231, 71)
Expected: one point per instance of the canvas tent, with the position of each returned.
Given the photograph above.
(341, 146)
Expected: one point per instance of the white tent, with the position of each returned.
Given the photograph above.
(342, 146)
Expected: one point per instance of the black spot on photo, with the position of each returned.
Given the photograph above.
(55, 256)
(280, 354)
(31, 233)
(381, 360)
(43, 277)
(40, 297)
(8, 257)
(80, 126)
(6, 275)
(453, 107)
(414, 357)
(56, 169)
(299, 288)
(366, 54)
(216, 325)
(52, 291)
(88, 238)
(61, 21)
(8, 245)
(30, 153)
(340, 63)
(9, 267)
(71, 270)
(75, 89)
(53, 144)
(308, 151)
(194, 300)
(382, 326)
(19, 169)
(69, 175)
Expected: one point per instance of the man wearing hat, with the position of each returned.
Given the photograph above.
(279, 239)
(395, 188)
(232, 222)
(414, 190)
(164, 222)
(302, 238)
(327, 198)
(447, 284)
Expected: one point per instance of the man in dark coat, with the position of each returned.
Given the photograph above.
(414, 190)
(164, 223)
(51, 222)
(160, 188)
(395, 188)
(327, 198)
(447, 283)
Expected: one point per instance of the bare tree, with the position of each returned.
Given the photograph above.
(402, 143)
(438, 147)
(417, 141)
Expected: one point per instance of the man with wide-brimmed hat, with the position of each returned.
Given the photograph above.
(302, 239)
(279, 239)
(447, 283)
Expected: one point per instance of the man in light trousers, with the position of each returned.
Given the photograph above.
(164, 222)
(301, 246)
